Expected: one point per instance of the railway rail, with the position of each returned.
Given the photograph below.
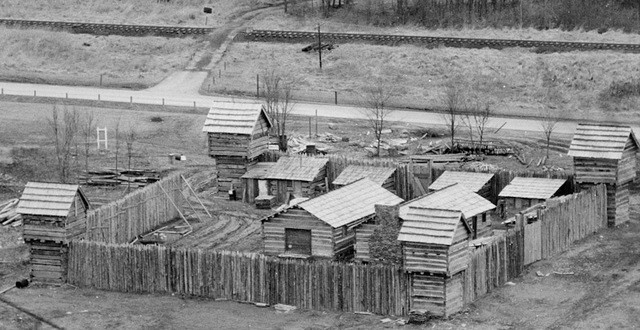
(333, 37)
(109, 29)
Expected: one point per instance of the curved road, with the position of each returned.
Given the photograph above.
(181, 89)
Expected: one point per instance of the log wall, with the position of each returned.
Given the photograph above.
(322, 244)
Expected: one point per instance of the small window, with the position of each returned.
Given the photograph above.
(484, 217)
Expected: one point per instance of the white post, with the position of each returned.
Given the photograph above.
(101, 139)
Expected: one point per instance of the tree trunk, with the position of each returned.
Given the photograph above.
(282, 143)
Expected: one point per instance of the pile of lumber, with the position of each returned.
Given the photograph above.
(8, 214)
(111, 177)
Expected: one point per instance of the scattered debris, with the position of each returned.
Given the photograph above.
(111, 177)
(386, 320)
(261, 305)
(564, 273)
(363, 313)
(314, 47)
(510, 284)
(416, 317)
(8, 214)
(282, 308)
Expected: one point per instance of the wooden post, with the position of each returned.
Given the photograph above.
(194, 194)
(257, 85)
(309, 126)
(163, 101)
(101, 78)
(130, 99)
(335, 97)
(98, 97)
(316, 122)
(34, 92)
(319, 48)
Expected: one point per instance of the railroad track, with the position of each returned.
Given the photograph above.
(109, 29)
(299, 36)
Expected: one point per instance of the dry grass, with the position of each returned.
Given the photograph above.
(175, 12)
(79, 59)
(512, 79)
(280, 21)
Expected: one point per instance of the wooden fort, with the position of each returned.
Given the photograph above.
(475, 208)
(479, 183)
(53, 214)
(237, 134)
(435, 251)
(324, 226)
(522, 193)
(297, 177)
(606, 154)
(384, 176)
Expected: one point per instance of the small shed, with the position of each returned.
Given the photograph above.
(255, 183)
(237, 133)
(522, 193)
(324, 226)
(479, 183)
(475, 208)
(295, 177)
(384, 176)
(53, 214)
(435, 251)
(606, 154)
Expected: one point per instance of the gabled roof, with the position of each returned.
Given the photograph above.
(454, 197)
(350, 203)
(355, 172)
(473, 181)
(296, 168)
(430, 225)
(600, 141)
(258, 170)
(51, 199)
(234, 118)
(532, 188)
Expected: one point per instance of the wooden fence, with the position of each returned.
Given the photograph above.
(563, 221)
(138, 212)
(239, 276)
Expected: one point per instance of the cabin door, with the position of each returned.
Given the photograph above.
(297, 241)
(263, 188)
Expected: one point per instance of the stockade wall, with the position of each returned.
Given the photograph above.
(238, 276)
(564, 220)
(136, 213)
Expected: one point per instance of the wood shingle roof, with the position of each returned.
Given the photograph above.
(296, 168)
(600, 141)
(234, 118)
(48, 199)
(348, 204)
(258, 170)
(532, 188)
(455, 197)
(352, 173)
(430, 225)
(473, 181)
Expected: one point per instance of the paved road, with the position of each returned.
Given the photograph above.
(181, 89)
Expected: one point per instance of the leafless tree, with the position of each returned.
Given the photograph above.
(87, 131)
(549, 118)
(64, 131)
(454, 104)
(375, 100)
(477, 118)
(129, 138)
(278, 92)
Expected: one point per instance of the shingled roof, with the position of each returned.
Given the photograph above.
(352, 173)
(600, 141)
(258, 170)
(296, 168)
(430, 225)
(454, 197)
(350, 203)
(50, 199)
(473, 181)
(234, 118)
(532, 188)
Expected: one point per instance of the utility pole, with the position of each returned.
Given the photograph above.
(319, 48)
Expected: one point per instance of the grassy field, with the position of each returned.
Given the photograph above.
(174, 12)
(514, 80)
(80, 59)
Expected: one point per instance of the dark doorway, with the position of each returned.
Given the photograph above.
(297, 241)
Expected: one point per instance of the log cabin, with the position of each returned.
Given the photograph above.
(53, 214)
(435, 251)
(475, 209)
(479, 183)
(522, 193)
(297, 177)
(384, 176)
(324, 226)
(237, 134)
(606, 154)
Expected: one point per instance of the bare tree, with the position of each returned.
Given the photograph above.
(375, 101)
(129, 138)
(454, 106)
(88, 127)
(64, 131)
(278, 91)
(117, 137)
(549, 118)
(476, 120)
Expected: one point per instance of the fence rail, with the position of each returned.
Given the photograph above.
(138, 212)
(239, 276)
